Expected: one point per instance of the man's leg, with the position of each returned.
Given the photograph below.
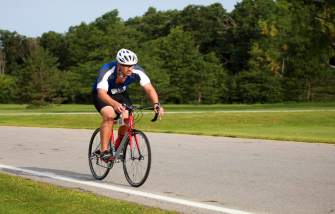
(108, 114)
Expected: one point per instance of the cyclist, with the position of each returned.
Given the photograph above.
(109, 95)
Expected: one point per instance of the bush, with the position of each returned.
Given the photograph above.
(7, 89)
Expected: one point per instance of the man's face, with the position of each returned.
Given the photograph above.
(127, 70)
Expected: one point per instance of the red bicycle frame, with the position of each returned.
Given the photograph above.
(130, 132)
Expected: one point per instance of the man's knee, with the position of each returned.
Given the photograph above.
(108, 114)
(109, 117)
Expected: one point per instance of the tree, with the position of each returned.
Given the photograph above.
(301, 48)
(2, 59)
(263, 51)
(153, 24)
(190, 75)
(239, 40)
(211, 80)
(55, 44)
(207, 24)
(37, 78)
(12, 50)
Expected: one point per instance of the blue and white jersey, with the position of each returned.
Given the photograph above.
(108, 74)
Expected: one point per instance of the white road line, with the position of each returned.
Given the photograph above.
(171, 112)
(129, 191)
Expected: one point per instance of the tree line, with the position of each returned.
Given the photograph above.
(261, 52)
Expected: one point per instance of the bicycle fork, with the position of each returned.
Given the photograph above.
(131, 144)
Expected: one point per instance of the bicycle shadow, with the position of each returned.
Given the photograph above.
(54, 173)
(49, 173)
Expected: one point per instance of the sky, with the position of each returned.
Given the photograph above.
(32, 18)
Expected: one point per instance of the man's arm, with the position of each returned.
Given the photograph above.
(152, 94)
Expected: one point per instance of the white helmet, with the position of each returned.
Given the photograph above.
(126, 57)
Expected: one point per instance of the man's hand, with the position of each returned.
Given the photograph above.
(159, 109)
(118, 107)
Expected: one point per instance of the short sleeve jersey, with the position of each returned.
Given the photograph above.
(108, 74)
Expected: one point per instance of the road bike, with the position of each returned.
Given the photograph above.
(134, 151)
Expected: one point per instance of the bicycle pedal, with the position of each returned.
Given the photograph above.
(97, 152)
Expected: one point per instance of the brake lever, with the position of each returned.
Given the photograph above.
(156, 114)
(155, 117)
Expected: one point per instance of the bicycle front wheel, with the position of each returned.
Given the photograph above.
(137, 159)
(98, 167)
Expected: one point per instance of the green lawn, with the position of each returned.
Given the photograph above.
(297, 126)
(12, 108)
(20, 195)
(312, 126)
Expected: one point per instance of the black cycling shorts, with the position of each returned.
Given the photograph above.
(122, 98)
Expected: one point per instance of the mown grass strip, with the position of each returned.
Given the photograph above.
(316, 126)
(21, 195)
(170, 107)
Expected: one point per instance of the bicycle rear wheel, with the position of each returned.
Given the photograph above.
(137, 159)
(98, 167)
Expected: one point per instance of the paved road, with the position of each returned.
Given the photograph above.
(255, 176)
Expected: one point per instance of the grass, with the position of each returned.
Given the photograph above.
(313, 126)
(14, 108)
(237, 107)
(296, 126)
(21, 195)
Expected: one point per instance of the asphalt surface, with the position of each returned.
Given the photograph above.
(256, 176)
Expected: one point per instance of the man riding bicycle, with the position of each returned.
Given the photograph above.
(109, 95)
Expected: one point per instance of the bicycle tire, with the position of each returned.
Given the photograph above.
(129, 161)
(94, 160)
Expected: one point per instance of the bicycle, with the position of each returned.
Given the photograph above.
(133, 150)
